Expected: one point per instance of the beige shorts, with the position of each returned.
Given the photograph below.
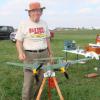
(35, 57)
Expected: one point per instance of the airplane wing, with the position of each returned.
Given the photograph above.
(48, 67)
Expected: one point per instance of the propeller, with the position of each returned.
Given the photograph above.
(36, 75)
(62, 70)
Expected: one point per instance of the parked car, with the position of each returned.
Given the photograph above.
(5, 32)
(12, 35)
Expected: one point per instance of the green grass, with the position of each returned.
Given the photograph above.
(76, 88)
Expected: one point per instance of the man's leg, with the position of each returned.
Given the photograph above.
(27, 85)
(28, 76)
(44, 54)
(38, 84)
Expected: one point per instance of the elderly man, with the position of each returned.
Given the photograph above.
(32, 43)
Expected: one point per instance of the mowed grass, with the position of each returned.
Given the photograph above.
(77, 87)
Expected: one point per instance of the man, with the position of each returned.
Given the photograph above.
(32, 43)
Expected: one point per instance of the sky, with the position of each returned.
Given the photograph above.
(58, 13)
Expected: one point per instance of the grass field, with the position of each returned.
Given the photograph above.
(76, 88)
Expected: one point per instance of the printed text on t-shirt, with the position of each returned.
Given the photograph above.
(38, 30)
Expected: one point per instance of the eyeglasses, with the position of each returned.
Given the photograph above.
(36, 10)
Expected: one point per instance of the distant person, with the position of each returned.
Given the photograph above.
(32, 43)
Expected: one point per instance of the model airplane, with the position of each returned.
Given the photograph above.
(60, 66)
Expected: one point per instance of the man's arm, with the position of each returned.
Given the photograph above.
(21, 53)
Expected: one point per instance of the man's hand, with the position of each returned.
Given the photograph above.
(51, 60)
(21, 53)
(22, 56)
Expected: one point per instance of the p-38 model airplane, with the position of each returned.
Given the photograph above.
(60, 66)
(49, 70)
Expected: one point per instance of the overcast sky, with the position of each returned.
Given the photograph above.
(58, 13)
